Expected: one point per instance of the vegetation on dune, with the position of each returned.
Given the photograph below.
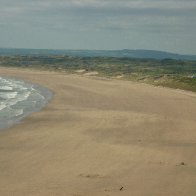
(168, 72)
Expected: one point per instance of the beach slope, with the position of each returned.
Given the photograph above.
(101, 137)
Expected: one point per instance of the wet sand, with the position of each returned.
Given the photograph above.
(101, 137)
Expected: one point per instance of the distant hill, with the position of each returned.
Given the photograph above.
(145, 54)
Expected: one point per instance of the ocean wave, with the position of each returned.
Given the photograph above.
(18, 99)
(2, 106)
(12, 92)
(6, 88)
(8, 95)
(18, 112)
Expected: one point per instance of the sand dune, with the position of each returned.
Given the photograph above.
(101, 137)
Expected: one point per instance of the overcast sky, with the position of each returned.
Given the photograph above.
(168, 25)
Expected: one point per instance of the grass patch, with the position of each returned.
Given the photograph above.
(170, 73)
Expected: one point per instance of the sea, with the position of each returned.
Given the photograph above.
(18, 99)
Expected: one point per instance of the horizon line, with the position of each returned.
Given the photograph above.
(139, 49)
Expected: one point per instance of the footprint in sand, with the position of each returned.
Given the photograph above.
(91, 176)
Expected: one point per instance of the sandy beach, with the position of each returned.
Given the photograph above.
(101, 137)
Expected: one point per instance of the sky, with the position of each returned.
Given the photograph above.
(166, 25)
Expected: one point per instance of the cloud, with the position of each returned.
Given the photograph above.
(99, 14)
(101, 10)
(158, 17)
(109, 5)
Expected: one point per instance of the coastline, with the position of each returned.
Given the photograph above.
(32, 103)
(96, 136)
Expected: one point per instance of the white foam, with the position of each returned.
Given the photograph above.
(8, 88)
(2, 106)
(10, 95)
(40, 95)
(12, 84)
(23, 96)
(17, 98)
(18, 112)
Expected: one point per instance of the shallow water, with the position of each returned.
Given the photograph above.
(18, 99)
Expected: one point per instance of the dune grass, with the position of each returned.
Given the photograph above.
(169, 73)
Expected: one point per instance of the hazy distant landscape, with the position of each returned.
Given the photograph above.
(126, 53)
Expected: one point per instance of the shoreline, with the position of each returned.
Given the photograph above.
(44, 92)
(96, 136)
(99, 77)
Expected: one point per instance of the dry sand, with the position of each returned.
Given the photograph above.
(97, 136)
